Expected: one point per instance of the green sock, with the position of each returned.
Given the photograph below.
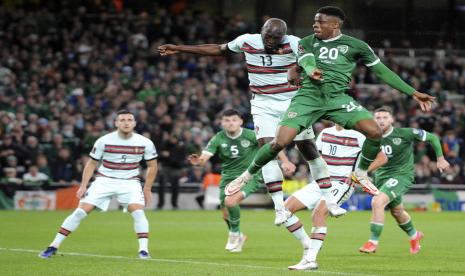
(234, 218)
(227, 223)
(376, 230)
(370, 149)
(264, 155)
(408, 228)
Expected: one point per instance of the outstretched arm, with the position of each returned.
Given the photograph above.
(287, 166)
(441, 162)
(379, 161)
(199, 160)
(392, 79)
(203, 49)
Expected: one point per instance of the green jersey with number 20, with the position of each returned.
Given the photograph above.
(235, 153)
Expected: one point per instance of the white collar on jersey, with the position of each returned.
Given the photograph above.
(234, 137)
(333, 38)
(389, 132)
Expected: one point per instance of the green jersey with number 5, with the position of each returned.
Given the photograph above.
(337, 58)
(235, 153)
(398, 147)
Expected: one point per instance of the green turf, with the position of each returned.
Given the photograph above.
(192, 243)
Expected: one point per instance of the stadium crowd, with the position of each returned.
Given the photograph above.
(63, 76)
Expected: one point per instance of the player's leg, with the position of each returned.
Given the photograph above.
(405, 223)
(232, 216)
(141, 227)
(70, 224)
(320, 172)
(378, 203)
(345, 111)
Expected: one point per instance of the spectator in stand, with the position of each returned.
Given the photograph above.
(63, 170)
(34, 178)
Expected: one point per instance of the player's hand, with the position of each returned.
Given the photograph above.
(288, 168)
(194, 159)
(426, 101)
(148, 197)
(167, 49)
(442, 164)
(293, 76)
(317, 74)
(81, 192)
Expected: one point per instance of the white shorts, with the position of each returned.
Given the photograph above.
(311, 194)
(267, 113)
(103, 189)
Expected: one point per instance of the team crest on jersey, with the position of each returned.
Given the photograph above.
(397, 141)
(343, 48)
(301, 49)
(224, 145)
(245, 143)
(291, 114)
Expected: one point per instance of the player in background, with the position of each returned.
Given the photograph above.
(120, 153)
(236, 147)
(268, 56)
(396, 177)
(341, 149)
(328, 58)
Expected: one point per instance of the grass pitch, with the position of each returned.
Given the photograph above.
(192, 243)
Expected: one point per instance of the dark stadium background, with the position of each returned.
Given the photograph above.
(67, 66)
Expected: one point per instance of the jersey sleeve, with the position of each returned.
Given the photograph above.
(97, 150)
(236, 44)
(361, 139)
(294, 42)
(150, 151)
(318, 142)
(212, 146)
(416, 134)
(367, 54)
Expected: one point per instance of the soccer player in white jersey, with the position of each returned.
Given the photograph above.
(269, 55)
(340, 149)
(119, 153)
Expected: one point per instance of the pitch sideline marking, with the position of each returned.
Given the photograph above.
(178, 261)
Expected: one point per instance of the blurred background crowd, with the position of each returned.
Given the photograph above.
(63, 76)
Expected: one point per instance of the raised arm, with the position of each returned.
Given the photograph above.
(203, 49)
(392, 79)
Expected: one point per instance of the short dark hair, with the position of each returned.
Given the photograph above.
(231, 112)
(333, 11)
(384, 109)
(124, 111)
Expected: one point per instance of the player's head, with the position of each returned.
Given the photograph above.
(383, 117)
(328, 21)
(231, 120)
(273, 32)
(125, 121)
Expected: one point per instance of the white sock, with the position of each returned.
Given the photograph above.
(294, 226)
(316, 241)
(374, 242)
(69, 225)
(141, 227)
(273, 178)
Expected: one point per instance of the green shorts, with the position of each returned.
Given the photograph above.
(308, 106)
(394, 187)
(249, 188)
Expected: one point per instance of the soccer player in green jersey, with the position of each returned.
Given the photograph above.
(236, 148)
(395, 178)
(328, 58)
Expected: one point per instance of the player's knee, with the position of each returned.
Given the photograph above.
(397, 212)
(378, 203)
(230, 202)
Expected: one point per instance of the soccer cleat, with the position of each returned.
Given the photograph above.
(368, 247)
(304, 264)
(364, 181)
(335, 210)
(236, 185)
(230, 244)
(281, 216)
(239, 243)
(144, 254)
(415, 243)
(48, 253)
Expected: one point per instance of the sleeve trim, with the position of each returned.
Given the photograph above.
(305, 55)
(207, 153)
(373, 63)
(94, 158)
